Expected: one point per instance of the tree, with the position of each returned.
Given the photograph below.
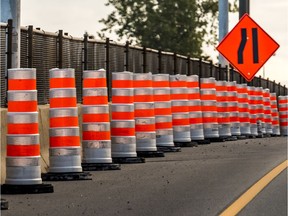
(180, 26)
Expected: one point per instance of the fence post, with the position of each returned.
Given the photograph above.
(126, 66)
(9, 55)
(144, 66)
(260, 81)
(30, 46)
(200, 68)
(279, 89)
(227, 72)
(267, 82)
(175, 63)
(285, 90)
(211, 69)
(274, 86)
(231, 71)
(85, 50)
(9, 43)
(217, 76)
(188, 66)
(160, 61)
(108, 77)
(60, 49)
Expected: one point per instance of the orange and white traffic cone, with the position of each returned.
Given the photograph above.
(65, 149)
(180, 110)
(96, 137)
(274, 115)
(145, 129)
(123, 139)
(163, 113)
(283, 114)
(209, 108)
(23, 170)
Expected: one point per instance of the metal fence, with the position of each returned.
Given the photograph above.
(45, 50)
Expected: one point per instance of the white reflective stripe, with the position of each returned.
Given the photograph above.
(62, 93)
(62, 73)
(29, 95)
(122, 75)
(21, 73)
(94, 74)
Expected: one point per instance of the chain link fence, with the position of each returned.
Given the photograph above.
(45, 50)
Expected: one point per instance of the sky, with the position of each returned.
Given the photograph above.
(78, 16)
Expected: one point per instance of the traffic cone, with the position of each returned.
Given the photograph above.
(23, 170)
(123, 137)
(65, 149)
(163, 113)
(96, 137)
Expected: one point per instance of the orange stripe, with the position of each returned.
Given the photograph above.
(253, 121)
(243, 100)
(196, 120)
(223, 120)
(209, 108)
(273, 106)
(174, 84)
(232, 98)
(64, 121)
(62, 82)
(284, 124)
(207, 85)
(283, 108)
(162, 97)
(283, 116)
(243, 109)
(63, 102)
(222, 109)
(179, 96)
(163, 125)
(122, 115)
(192, 84)
(232, 109)
(221, 98)
(22, 106)
(145, 128)
(122, 84)
(23, 150)
(179, 122)
(244, 119)
(123, 131)
(194, 96)
(267, 112)
(160, 84)
(221, 88)
(96, 117)
(275, 122)
(144, 113)
(208, 97)
(179, 109)
(242, 90)
(234, 119)
(96, 135)
(143, 98)
(94, 82)
(64, 141)
(273, 98)
(95, 100)
(142, 83)
(231, 88)
(209, 119)
(266, 103)
(22, 84)
(194, 108)
(163, 111)
(28, 128)
(122, 99)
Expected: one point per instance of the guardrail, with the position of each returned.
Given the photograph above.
(45, 50)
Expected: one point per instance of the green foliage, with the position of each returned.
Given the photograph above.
(180, 26)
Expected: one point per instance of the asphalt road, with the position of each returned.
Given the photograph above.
(202, 180)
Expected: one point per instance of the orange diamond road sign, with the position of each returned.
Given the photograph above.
(247, 47)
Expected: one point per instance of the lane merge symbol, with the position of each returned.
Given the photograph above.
(247, 47)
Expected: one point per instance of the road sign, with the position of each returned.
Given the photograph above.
(247, 47)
